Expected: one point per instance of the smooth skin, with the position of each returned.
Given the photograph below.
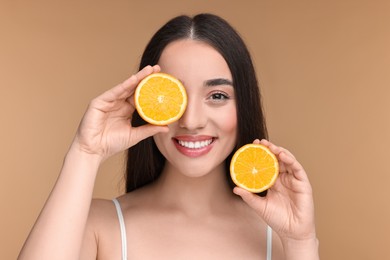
(104, 131)
(288, 207)
(182, 215)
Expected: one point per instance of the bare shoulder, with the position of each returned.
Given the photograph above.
(102, 216)
(100, 212)
(102, 235)
(102, 208)
(103, 211)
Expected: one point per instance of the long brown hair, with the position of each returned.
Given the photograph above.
(144, 161)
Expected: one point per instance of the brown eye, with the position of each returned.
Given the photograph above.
(219, 96)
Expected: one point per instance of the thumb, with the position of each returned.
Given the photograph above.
(254, 201)
(145, 131)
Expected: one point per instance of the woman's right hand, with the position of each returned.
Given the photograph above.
(104, 130)
(106, 125)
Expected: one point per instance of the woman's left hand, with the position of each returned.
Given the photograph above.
(288, 207)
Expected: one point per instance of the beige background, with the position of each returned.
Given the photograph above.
(324, 69)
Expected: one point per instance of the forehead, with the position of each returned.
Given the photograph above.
(191, 59)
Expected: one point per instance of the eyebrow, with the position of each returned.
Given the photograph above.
(217, 82)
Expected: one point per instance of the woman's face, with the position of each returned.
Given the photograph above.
(206, 134)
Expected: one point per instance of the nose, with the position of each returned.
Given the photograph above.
(194, 117)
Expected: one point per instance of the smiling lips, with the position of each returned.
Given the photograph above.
(193, 146)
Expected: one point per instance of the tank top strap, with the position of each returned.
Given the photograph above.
(269, 243)
(122, 228)
(124, 239)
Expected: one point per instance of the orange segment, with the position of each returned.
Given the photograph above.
(254, 167)
(160, 99)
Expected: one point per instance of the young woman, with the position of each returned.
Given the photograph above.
(180, 202)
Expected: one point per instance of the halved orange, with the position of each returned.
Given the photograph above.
(160, 99)
(254, 167)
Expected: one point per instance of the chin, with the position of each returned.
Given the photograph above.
(198, 171)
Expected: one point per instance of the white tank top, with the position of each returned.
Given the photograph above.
(124, 239)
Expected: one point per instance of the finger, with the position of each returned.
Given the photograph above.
(156, 68)
(142, 132)
(288, 162)
(293, 166)
(255, 202)
(256, 141)
(147, 71)
(274, 148)
(126, 88)
(130, 99)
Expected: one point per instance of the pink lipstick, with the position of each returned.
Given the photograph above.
(193, 146)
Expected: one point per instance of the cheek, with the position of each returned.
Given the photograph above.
(161, 140)
(228, 120)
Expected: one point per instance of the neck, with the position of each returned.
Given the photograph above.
(193, 195)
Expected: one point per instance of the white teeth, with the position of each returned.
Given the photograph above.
(195, 145)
